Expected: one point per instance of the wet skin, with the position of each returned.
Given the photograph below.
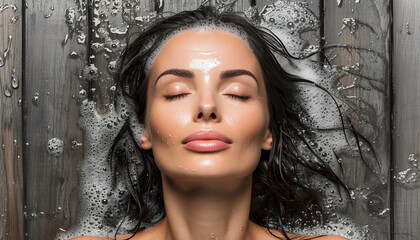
(208, 83)
(200, 82)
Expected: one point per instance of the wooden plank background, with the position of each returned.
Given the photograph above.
(362, 30)
(52, 75)
(49, 74)
(406, 142)
(11, 143)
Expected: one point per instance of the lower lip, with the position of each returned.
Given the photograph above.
(206, 145)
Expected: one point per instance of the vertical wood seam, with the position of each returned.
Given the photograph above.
(391, 119)
(321, 31)
(23, 107)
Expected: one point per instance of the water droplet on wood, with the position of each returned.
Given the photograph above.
(35, 99)
(55, 147)
(14, 19)
(3, 57)
(15, 82)
(7, 91)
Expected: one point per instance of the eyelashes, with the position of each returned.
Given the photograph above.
(240, 97)
(182, 95)
(173, 97)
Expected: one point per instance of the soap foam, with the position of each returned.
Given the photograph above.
(103, 202)
(199, 27)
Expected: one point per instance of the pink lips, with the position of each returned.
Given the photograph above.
(206, 141)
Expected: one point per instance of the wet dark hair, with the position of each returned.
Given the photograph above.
(281, 192)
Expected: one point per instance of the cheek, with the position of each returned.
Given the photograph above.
(250, 124)
(166, 121)
(165, 127)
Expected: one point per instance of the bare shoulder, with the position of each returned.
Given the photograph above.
(332, 237)
(315, 237)
(275, 234)
(123, 237)
(90, 238)
(100, 238)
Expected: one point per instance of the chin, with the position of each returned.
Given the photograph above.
(207, 174)
(214, 168)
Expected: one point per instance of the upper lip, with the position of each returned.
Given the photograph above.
(206, 135)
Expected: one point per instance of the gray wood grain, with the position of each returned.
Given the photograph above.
(406, 142)
(51, 182)
(11, 144)
(52, 75)
(363, 27)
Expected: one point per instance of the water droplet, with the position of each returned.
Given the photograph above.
(14, 19)
(65, 40)
(6, 6)
(409, 178)
(7, 91)
(55, 147)
(15, 82)
(81, 38)
(35, 99)
(49, 15)
(112, 66)
(4, 56)
(73, 55)
(90, 72)
(76, 145)
(408, 29)
(82, 93)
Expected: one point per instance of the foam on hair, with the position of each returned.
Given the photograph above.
(200, 27)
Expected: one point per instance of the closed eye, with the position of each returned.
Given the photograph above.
(240, 97)
(177, 96)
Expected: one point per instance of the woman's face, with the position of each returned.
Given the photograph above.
(206, 114)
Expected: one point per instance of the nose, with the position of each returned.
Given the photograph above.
(207, 108)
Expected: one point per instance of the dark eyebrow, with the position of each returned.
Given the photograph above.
(237, 72)
(176, 72)
(223, 75)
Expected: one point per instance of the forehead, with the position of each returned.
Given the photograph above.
(222, 46)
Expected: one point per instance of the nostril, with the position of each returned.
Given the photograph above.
(212, 116)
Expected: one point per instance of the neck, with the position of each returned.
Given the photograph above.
(212, 210)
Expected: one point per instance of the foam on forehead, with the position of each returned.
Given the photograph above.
(200, 27)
